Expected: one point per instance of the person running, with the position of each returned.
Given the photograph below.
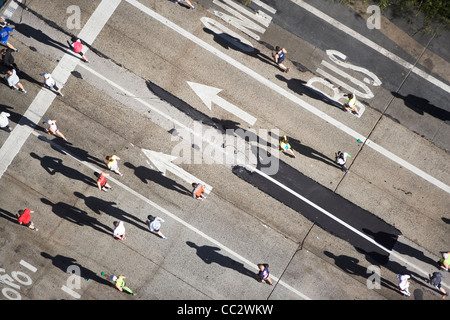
(154, 224)
(279, 56)
(77, 47)
(435, 281)
(445, 261)
(263, 274)
(119, 283)
(350, 105)
(50, 83)
(8, 59)
(197, 192)
(187, 2)
(24, 217)
(102, 183)
(341, 159)
(4, 35)
(111, 163)
(4, 122)
(285, 146)
(53, 129)
(403, 284)
(119, 230)
(13, 80)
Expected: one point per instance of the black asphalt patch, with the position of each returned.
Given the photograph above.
(360, 219)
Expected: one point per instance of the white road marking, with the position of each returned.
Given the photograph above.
(210, 95)
(287, 94)
(28, 266)
(44, 98)
(163, 162)
(169, 214)
(372, 45)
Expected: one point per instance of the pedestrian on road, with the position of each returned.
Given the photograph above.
(197, 193)
(341, 159)
(154, 224)
(102, 184)
(278, 57)
(24, 217)
(13, 80)
(53, 129)
(119, 230)
(187, 2)
(50, 83)
(350, 105)
(4, 35)
(111, 163)
(445, 261)
(77, 47)
(4, 122)
(263, 274)
(8, 59)
(285, 146)
(435, 281)
(119, 283)
(403, 284)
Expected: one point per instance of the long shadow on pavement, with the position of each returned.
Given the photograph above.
(77, 216)
(99, 205)
(54, 165)
(63, 263)
(145, 174)
(210, 255)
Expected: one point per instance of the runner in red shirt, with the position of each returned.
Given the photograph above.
(102, 184)
(24, 218)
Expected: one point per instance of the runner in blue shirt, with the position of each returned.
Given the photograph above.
(279, 56)
(4, 35)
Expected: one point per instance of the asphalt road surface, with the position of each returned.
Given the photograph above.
(183, 96)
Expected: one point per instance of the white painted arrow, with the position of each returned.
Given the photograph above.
(163, 162)
(210, 94)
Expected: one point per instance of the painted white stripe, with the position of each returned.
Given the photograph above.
(44, 98)
(28, 266)
(171, 215)
(372, 45)
(9, 11)
(282, 91)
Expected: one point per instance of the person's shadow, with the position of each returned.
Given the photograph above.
(100, 206)
(30, 32)
(421, 105)
(390, 241)
(351, 266)
(309, 152)
(146, 174)
(77, 216)
(210, 255)
(54, 165)
(229, 42)
(8, 215)
(299, 86)
(79, 153)
(63, 263)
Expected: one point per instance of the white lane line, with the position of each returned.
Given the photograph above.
(286, 94)
(44, 98)
(169, 214)
(372, 45)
